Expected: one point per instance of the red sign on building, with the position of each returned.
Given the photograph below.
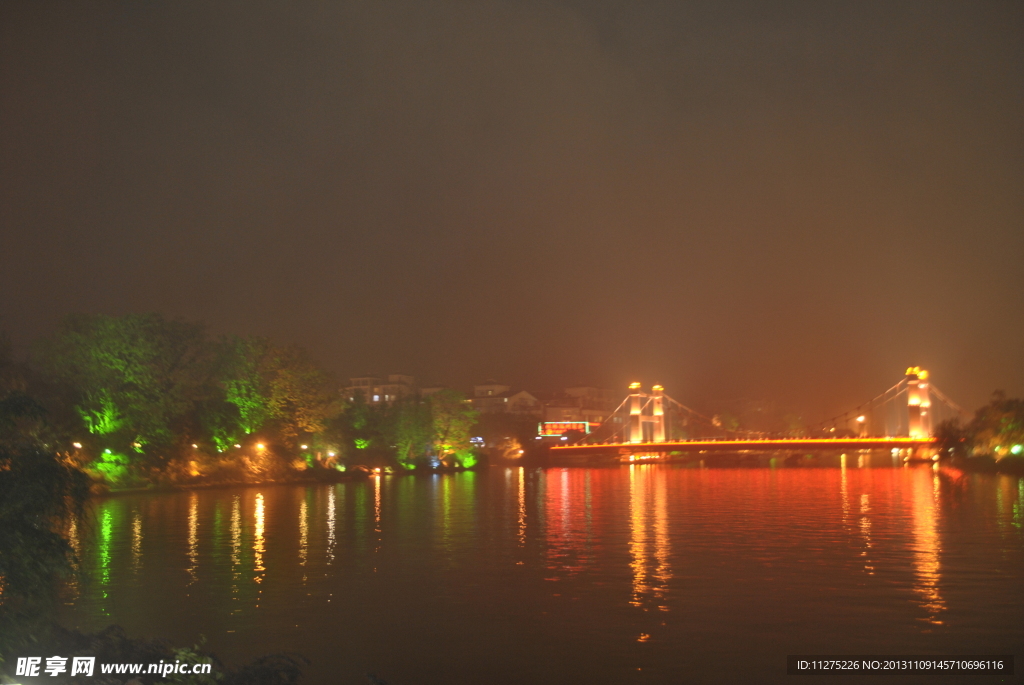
(560, 427)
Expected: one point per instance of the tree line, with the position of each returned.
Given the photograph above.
(994, 437)
(140, 399)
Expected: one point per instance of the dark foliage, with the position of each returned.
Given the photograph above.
(273, 669)
(40, 494)
(992, 440)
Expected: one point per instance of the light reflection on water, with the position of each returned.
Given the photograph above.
(1018, 506)
(521, 511)
(649, 536)
(927, 547)
(303, 532)
(331, 516)
(137, 539)
(376, 519)
(236, 546)
(106, 533)
(193, 537)
(259, 544)
(616, 569)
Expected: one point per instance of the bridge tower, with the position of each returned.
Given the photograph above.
(638, 401)
(658, 413)
(636, 408)
(919, 402)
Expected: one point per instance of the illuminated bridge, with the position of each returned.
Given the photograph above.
(902, 420)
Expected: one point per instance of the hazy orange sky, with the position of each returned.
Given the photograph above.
(792, 201)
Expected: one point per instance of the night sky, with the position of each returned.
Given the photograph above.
(764, 200)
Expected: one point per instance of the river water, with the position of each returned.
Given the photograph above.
(632, 574)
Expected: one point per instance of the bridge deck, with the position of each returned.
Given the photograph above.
(750, 445)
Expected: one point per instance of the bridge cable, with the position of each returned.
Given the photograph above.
(869, 403)
(711, 422)
(949, 403)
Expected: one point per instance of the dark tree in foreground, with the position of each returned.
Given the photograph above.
(952, 439)
(41, 494)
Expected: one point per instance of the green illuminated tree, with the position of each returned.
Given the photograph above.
(133, 378)
(994, 437)
(150, 395)
(409, 430)
(247, 372)
(452, 419)
(274, 388)
(359, 428)
(301, 394)
(998, 428)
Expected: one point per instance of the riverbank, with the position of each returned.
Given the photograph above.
(311, 477)
(1011, 466)
(100, 488)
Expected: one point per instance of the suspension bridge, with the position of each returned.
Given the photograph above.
(903, 419)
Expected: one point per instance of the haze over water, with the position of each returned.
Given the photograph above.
(633, 574)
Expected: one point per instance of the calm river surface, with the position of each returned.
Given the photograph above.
(633, 574)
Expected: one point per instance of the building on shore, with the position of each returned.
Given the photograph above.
(585, 404)
(377, 390)
(580, 403)
(491, 397)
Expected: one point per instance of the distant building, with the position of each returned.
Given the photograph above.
(597, 398)
(490, 397)
(580, 403)
(490, 388)
(378, 391)
(525, 403)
